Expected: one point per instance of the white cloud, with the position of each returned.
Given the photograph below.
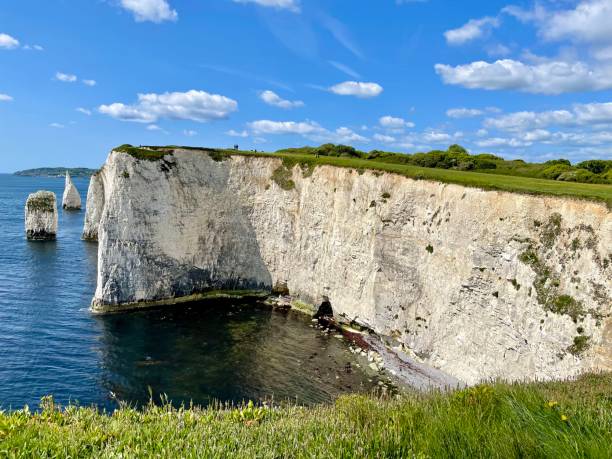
(284, 127)
(191, 105)
(346, 135)
(463, 112)
(150, 10)
(33, 48)
(290, 5)
(89, 82)
(436, 137)
(473, 29)
(357, 89)
(549, 77)
(497, 50)
(588, 22)
(234, 133)
(592, 114)
(190, 133)
(345, 69)
(8, 42)
(57, 125)
(271, 98)
(65, 77)
(153, 127)
(384, 138)
(84, 111)
(390, 122)
(482, 133)
(501, 142)
(5, 98)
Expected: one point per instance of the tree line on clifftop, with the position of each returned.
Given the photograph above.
(457, 157)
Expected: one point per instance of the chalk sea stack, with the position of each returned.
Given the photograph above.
(41, 216)
(71, 199)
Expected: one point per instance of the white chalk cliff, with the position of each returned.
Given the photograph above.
(478, 284)
(71, 199)
(41, 216)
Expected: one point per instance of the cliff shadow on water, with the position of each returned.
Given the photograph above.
(224, 350)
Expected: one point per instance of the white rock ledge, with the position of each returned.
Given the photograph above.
(442, 269)
(41, 216)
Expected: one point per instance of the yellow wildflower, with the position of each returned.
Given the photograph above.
(552, 404)
(563, 417)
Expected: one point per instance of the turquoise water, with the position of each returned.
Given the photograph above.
(226, 350)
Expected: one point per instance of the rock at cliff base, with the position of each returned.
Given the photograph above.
(41, 216)
(71, 199)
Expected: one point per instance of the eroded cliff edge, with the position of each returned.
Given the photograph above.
(479, 284)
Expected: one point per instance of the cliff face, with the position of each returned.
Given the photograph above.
(476, 283)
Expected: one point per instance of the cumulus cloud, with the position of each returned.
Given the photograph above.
(473, 29)
(494, 142)
(357, 89)
(271, 98)
(384, 138)
(234, 133)
(190, 133)
(592, 114)
(191, 105)
(284, 127)
(84, 111)
(393, 123)
(33, 48)
(89, 82)
(150, 10)
(57, 125)
(463, 112)
(5, 98)
(8, 42)
(290, 5)
(65, 77)
(547, 77)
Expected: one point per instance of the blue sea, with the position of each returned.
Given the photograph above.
(227, 351)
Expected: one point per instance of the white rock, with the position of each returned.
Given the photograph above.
(71, 199)
(187, 224)
(94, 207)
(41, 216)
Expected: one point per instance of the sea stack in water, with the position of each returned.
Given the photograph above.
(41, 216)
(71, 199)
(95, 206)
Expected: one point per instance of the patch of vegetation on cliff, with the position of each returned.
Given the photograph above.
(146, 153)
(42, 201)
(552, 419)
(581, 344)
(282, 177)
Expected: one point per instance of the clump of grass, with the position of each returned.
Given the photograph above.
(43, 201)
(429, 248)
(125, 174)
(551, 230)
(554, 419)
(565, 304)
(581, 344)
(282, 177)
(148, 153)
(385, 195)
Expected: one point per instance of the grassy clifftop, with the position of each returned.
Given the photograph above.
(556, 420)
(516, 180)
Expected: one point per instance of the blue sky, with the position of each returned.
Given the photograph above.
(523, 79)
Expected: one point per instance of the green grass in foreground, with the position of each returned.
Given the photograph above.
(555, 420)
(483, 180)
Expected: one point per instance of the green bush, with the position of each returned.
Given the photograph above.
(553, 162)
(554, 171)
(596, 166)
(578, 175)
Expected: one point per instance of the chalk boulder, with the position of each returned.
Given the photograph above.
(41, 216)
(71, 199)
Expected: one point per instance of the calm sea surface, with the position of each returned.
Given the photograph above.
(227, 351)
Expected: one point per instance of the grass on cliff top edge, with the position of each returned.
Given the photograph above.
(546, 419)
(515, 184)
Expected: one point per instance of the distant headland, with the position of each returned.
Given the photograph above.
(57, 172)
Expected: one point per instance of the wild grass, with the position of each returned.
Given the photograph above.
(555, 420)
(482, 180)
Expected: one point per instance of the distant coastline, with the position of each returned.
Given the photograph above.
(56, 172)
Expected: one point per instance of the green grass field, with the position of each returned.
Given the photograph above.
(541, 420)
(483, 180)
